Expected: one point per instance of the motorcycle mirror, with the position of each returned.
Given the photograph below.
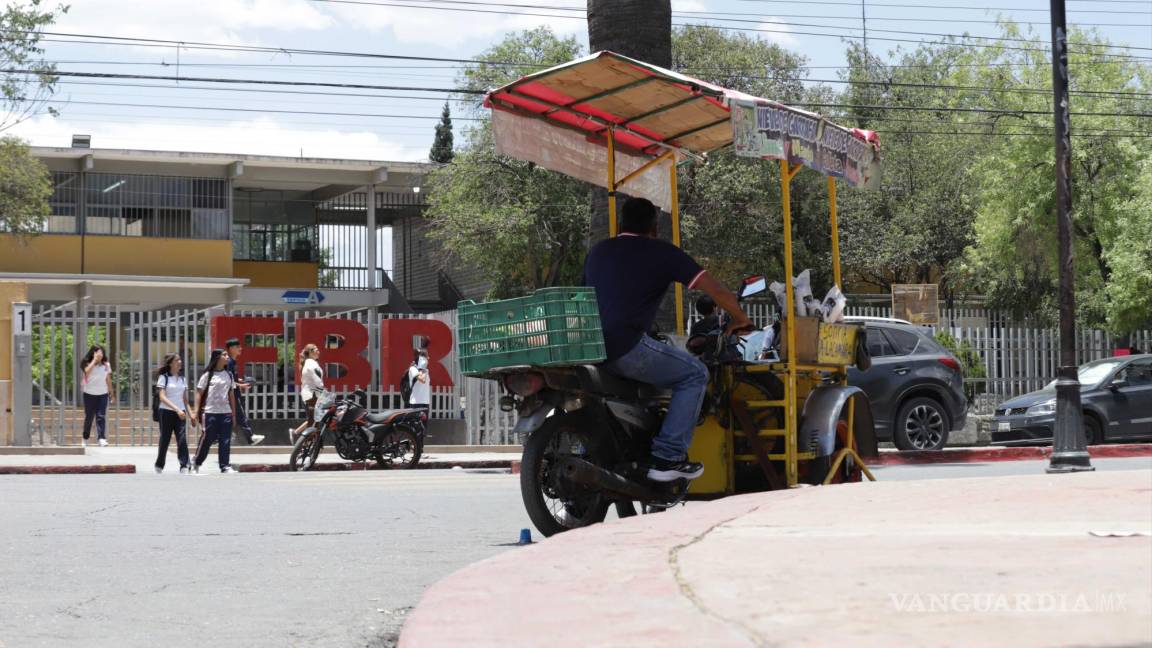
(753, 285)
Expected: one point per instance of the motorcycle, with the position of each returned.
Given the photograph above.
(587, 433)
(392, 438)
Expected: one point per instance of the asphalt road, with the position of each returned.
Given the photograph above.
(320, 559)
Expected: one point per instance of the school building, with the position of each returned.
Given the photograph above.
(143, 248)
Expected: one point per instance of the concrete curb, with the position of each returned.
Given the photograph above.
(101, 469)
(982, 455)
(336, 467)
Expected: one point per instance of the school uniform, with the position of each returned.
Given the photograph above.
(174, 388)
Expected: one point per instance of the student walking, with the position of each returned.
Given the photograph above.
(421, 396)
(216, 406)
(172, 391)
(311, 383)
(234, 349)
(97, 388)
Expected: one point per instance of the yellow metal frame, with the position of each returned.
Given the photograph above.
(791, 370)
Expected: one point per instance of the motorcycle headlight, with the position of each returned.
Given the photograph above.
(1047, 407)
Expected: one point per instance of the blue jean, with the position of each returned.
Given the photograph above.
(217, 428)
(95, 409)
(670, 368)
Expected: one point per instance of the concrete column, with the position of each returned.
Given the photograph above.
(9, 292)
(370, 237)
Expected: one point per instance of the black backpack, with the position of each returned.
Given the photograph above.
(156, 400)
(406, 386)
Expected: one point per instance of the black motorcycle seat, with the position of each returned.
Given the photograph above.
(600, 380)
(388, 416)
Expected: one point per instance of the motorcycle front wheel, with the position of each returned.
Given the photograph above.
(553, 506)
(305, 452)
(399, 449)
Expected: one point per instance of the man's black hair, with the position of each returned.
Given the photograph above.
(705, 305)
(639, 216)
(231, 342)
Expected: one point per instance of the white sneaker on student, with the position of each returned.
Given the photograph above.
(256, 439)
(228, 469)
(158, 469)
(103, 442)
(83, 443)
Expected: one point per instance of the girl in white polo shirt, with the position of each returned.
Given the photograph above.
(97, 387)
(216, 403)
(172, 389)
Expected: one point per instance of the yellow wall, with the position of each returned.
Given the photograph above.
(276, 274)
(48, 253)
(9, 292)
(116, 255)
(128, 255)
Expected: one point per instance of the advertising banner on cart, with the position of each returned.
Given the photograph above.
(773, 131)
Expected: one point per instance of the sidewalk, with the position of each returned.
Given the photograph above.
(247, 459)
(1044, 560)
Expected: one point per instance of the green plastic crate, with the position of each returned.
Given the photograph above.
(551, 327)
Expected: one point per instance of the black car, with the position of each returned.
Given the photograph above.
(1116, 394)
(915, 385)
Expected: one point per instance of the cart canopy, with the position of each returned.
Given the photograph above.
(559, 118)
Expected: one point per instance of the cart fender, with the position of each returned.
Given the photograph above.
(822, 411)
(530, 422)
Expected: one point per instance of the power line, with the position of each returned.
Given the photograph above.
(923, 6)
(726, 20)
(318, 84)
(267, 110)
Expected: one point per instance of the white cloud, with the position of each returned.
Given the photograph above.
(214, 21)
(688, 5)
(452, 28)
(779, 34)
(260, 136)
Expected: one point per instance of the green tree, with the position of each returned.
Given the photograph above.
(25, 188)
(1014, 255)
(442, 145)
(25, 94)
(520, 226)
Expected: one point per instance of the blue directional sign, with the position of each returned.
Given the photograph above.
(303, 297)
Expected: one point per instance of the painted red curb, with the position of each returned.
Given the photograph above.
(981, 455)
(109, 469)
(423, 465)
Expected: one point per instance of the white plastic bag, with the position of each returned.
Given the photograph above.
(779, 290)
(806, 304)
(832, 308)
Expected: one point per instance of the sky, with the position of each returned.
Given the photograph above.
(398, 125)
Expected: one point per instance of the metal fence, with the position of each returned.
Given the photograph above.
(1016, 358)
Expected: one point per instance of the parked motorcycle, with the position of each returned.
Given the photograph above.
(392, 438)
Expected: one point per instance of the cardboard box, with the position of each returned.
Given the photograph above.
(820, 343)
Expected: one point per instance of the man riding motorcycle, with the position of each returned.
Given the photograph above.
(631, 273)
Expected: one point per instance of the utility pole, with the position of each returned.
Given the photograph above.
(864, 25)
(1069, 450)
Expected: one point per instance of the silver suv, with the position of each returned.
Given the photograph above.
(916, 385)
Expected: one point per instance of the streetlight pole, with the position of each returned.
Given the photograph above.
(1069, 451)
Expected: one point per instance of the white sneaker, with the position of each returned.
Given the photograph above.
(184, 470)
(103, 442)
(158, 469)
(195, 470)
(228, 469)
(83, 443)
(256, 439)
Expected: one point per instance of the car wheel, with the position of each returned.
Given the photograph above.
(921, 424)
(1092, 432)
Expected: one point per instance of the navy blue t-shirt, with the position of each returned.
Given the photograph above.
(631, 274)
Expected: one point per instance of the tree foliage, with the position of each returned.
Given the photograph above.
(24, 94)
(442, 144)
(25, 188)
(519, 225)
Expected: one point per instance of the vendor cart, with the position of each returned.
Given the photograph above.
(626, 126)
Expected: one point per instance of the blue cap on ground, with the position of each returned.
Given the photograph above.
(525, 536)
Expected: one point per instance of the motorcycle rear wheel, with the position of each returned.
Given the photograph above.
(305, 452)
(400, 448)
(549, 509)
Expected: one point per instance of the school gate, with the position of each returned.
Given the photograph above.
(360, 348)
